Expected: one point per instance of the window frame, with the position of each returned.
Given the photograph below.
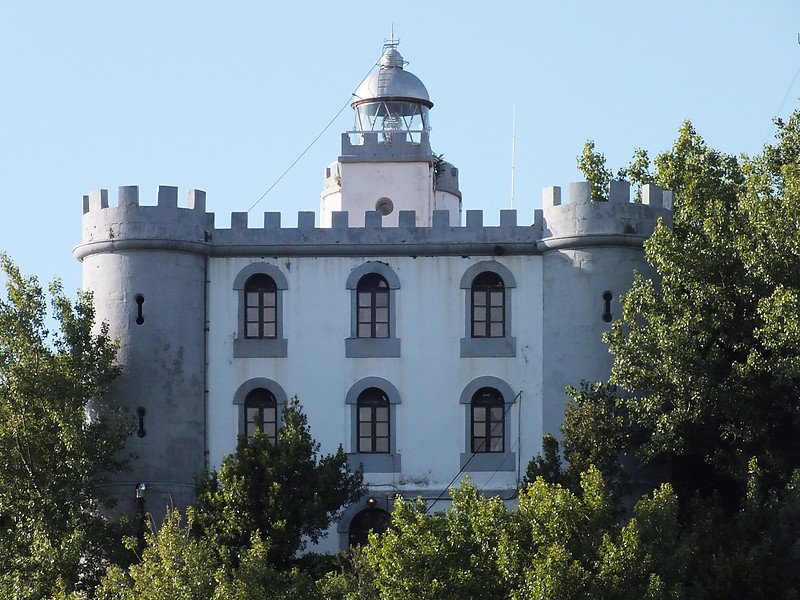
(373, 347)
(260, 347)
(373, 399)
(485, 292)
(264, 291)
(242, 392)
(268, 402)
(373, 462)
(487, 346)
(384, 518)
(376, 288)
(484, 442)
(478, 461)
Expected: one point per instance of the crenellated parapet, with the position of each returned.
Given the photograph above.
(582, 222)
(129, 225)
(385, 147)
(374, 239)
(167, 226)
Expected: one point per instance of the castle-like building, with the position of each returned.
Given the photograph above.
(426, 344)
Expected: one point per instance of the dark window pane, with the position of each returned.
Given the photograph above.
(497, 315)
(365, 414)
(381, 315)
(497, 298)
(382, 429)
(364, 299)
(496, 330)
(382, 330)
(365, 444)
(252, 299)
(479, 413)
(479, 299)
(364, 331)
(479, 445)
(497, 444)
(382, 445)
(269, 300)
(479, 429)
(269, 330)
(381, 299)
(497, 413)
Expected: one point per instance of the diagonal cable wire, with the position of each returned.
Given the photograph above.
(314, 141)
(783, 102)
(466, 464)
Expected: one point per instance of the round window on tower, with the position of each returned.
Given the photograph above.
(384, 206)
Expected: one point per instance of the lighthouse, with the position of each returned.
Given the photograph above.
(386, 162)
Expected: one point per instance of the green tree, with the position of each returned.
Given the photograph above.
(638, 172)
(282, 490)
(174, 564)
(180, 565)
(593, 166)
(706, 352)
(557, 543)
(52, 457)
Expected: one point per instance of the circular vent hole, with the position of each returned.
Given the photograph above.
(384, 206)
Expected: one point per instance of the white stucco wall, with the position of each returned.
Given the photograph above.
(430, 374)
(409, 185)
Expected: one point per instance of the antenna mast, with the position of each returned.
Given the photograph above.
(513, 147)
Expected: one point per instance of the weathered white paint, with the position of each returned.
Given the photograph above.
(409, 185)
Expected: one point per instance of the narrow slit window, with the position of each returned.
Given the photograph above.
(607, 297)
(139, 310)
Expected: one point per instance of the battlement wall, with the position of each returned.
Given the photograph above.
(166, 226)
(583, 221)
(394, 147)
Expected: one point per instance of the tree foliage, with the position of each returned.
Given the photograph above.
(52, 457)
(179, 565)
(557, 543)
(267, 501)
(708, 353)
(282, 490)
(593, 166)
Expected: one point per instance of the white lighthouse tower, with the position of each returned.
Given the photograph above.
(386, 163)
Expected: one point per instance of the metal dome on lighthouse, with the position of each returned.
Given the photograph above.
(386, 165)
(392, 100)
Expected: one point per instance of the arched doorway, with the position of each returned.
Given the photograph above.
(370, 519)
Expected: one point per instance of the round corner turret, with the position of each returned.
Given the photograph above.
(146, 268)
(617, 221)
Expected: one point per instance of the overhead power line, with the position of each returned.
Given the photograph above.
(314, 141)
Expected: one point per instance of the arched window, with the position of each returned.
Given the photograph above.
(261, 413)
(371, 519)
(488, 301)
(488, 290)
(487, 417)
(261, 307)
(373, 422)
(373, 307)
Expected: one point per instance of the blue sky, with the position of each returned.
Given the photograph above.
(224, 96)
